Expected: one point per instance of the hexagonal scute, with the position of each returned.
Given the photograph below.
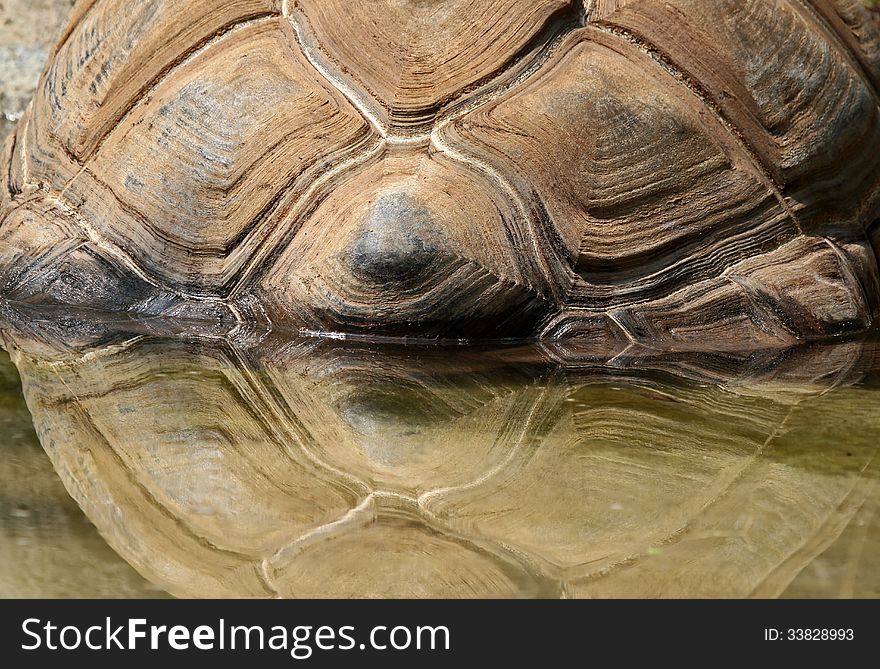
(190, 181)
(403, 45)
(409, 244)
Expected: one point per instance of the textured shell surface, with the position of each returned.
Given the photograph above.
(684, 172)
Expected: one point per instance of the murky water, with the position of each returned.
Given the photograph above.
(154, 461)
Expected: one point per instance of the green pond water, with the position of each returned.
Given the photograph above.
(146, 460)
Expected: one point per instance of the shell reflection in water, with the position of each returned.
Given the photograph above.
(237, 466)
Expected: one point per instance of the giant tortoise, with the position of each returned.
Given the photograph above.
(678, 171)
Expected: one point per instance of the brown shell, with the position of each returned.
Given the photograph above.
(678, 171)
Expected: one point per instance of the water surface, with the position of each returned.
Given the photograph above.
(155, 459)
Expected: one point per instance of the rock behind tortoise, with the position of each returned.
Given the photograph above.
(684, 171)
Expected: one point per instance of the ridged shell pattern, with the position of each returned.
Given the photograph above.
(680, 171)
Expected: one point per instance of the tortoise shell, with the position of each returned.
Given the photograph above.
(313, 469)
(637, 170)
